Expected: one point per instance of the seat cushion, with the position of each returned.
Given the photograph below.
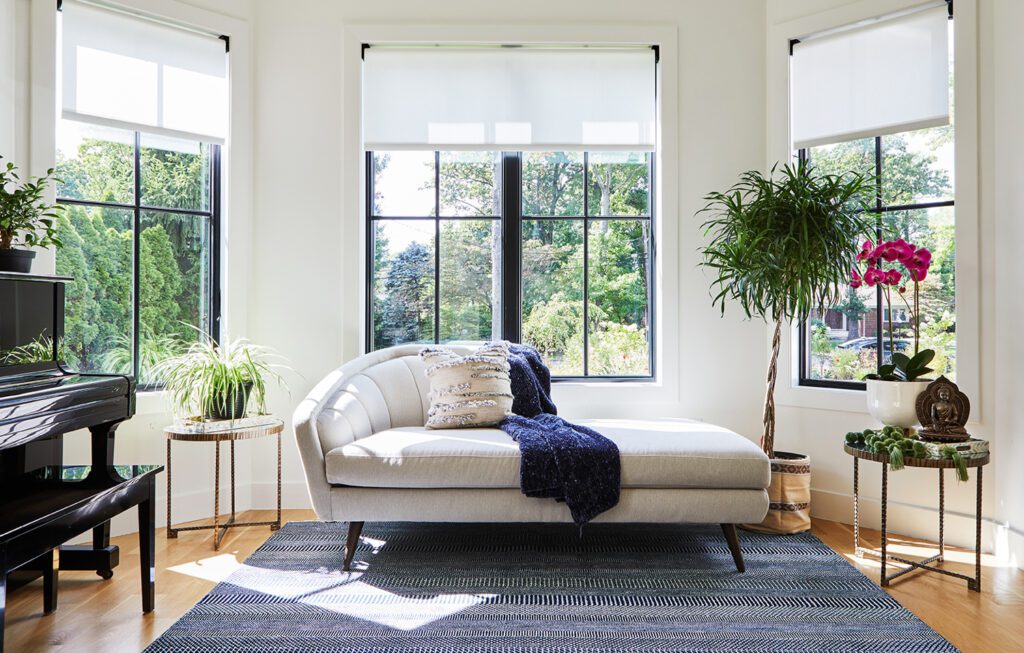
(663, 453)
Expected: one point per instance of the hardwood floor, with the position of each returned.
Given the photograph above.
(106, 616)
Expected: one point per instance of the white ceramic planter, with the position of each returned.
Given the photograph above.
(892, 402)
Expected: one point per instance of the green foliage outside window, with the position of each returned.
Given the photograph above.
(97, 253)
(552, 258)
(916, 168)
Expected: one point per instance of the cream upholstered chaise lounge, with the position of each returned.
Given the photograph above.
(368, 457)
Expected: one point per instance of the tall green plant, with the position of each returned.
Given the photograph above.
(781, 246)
(209, 377)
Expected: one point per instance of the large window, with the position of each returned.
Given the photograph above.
(139, 234)
(143, 111)
(914, 172)
(553, 249)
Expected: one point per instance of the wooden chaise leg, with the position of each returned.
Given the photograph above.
(734, 546)
(354, 529)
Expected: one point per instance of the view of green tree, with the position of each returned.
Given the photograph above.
(552, 258)
(915, 169)
(97, 253)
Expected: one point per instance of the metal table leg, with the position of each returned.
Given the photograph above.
(276, 526)
(885, 506)
(857, 551)
(976, 585)
(942, 515)
(171, 533)
(232, 480)
(216, 496)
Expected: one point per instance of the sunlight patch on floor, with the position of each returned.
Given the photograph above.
(214, 569)
(919, 552)
(338, 591)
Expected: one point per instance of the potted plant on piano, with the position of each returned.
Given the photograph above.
(781, 246)
(217, 382)
(26, 219)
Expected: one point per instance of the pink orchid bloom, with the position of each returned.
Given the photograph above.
(873, 276)
(919, 274)
(855, 280)
(890, 251)
(892, 277)
(921, 260)
(906, 251)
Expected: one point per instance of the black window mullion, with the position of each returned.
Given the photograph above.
(136, 256)
(215, 236)
(586, 264)
(369, 323)
(650, 264)
(879, 339)
(511, 246)
(437, 247)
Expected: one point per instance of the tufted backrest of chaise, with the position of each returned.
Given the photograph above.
(381, 390)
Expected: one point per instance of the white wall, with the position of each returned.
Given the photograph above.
(990, 140)
(307, 238)
(1002, 165)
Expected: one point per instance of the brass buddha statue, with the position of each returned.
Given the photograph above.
(943, 411)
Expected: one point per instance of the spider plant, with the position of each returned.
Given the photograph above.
(224, 381)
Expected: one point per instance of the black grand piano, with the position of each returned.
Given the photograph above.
(44, 503)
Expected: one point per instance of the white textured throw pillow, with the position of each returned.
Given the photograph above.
(467, 391)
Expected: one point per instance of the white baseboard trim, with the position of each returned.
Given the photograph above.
(910, 519)
(1002, 540)
(188, 506)
(294, 495)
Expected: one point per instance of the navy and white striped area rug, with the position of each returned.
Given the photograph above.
(442, 588)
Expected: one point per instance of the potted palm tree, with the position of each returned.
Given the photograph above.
(26, 218)
(781, 246)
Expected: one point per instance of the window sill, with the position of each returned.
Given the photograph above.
(847, 400)
(605, 381)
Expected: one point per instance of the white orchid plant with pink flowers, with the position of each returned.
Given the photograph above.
(889, 265)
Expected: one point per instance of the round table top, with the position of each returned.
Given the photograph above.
(861, 451)
(225, 430)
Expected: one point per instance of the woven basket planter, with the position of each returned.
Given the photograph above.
(789, 496)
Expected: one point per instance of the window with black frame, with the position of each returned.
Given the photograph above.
(139, 238)
(138, 158)
(914, 172)
(517, 207)
(570, 231)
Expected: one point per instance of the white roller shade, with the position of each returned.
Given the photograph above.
(136, 73)
(884, 78)
(523, 98)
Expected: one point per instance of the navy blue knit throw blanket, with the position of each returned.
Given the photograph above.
(559, 459)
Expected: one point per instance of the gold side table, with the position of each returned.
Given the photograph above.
(229, 431)
(975, 462)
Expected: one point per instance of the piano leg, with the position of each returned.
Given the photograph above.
(147, 548)
(3, 591)
(49, 583)
(101, 556)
